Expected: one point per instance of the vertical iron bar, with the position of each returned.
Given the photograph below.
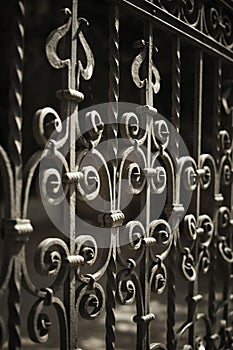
(16, 100)
(110, 296)
(149, 95)
(217, 109)
(216, 152)
(143, 339)
(71, 113)
(149, 101)
(70, 286)
(15, 151)
(198, 114)
(112, 129)
(14, 303)
(193, 286)
(171, 269)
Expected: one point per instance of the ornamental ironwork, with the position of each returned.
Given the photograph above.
(139, 193)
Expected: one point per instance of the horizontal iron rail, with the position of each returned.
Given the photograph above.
(227, 3)
(165, 20)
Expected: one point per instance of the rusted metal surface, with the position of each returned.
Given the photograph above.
(158, 254)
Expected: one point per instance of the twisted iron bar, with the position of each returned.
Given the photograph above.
(213, 248)
(111, 304)
(14, 307)
(217, 108)
(112, 130)
(171, 295)
(212, 284)
(15, 150)
(114, 76)
(16, 98)
(176, 77)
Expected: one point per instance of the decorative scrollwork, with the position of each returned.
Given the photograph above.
(201, 229)
(188, 173)
(90, 300)
(53, 40)
(51, 180)
(226, 171)
(161, 133)
(161, 231)
(227, 29)
(224, 217)
(213, 19)
(50, 259)
(87, 248)
(94, 127)
(157, 177)
(160, 238)
(135, 178)
(227, 174)
(218, 24)
(188, 266)
(39, 333)
(190, 181)
(126, 289)
(225, 251)
(39, 323)
(134, 235)
(190, 10)
(205, 230)
(52, 190)
(226, 142)
(135, 231)
(52, 43)
(190, 227)
(136, 65)
(204, 258)
(204, 176)
(87, 71)
(131, 170)
(89, 183)
(48, 123)
(213, 23)
(132, 128)
(145, 165)
(206, 171)
(158, 277)
(87, 177)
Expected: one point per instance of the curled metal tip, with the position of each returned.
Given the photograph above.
(82, 21)
(66, 11)
(139, 44)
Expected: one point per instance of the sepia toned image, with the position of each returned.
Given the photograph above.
(116, 197)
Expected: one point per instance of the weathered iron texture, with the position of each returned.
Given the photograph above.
(88, 280)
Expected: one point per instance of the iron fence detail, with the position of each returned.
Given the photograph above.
(164, 225)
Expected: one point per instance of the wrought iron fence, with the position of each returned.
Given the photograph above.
(181, 67)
